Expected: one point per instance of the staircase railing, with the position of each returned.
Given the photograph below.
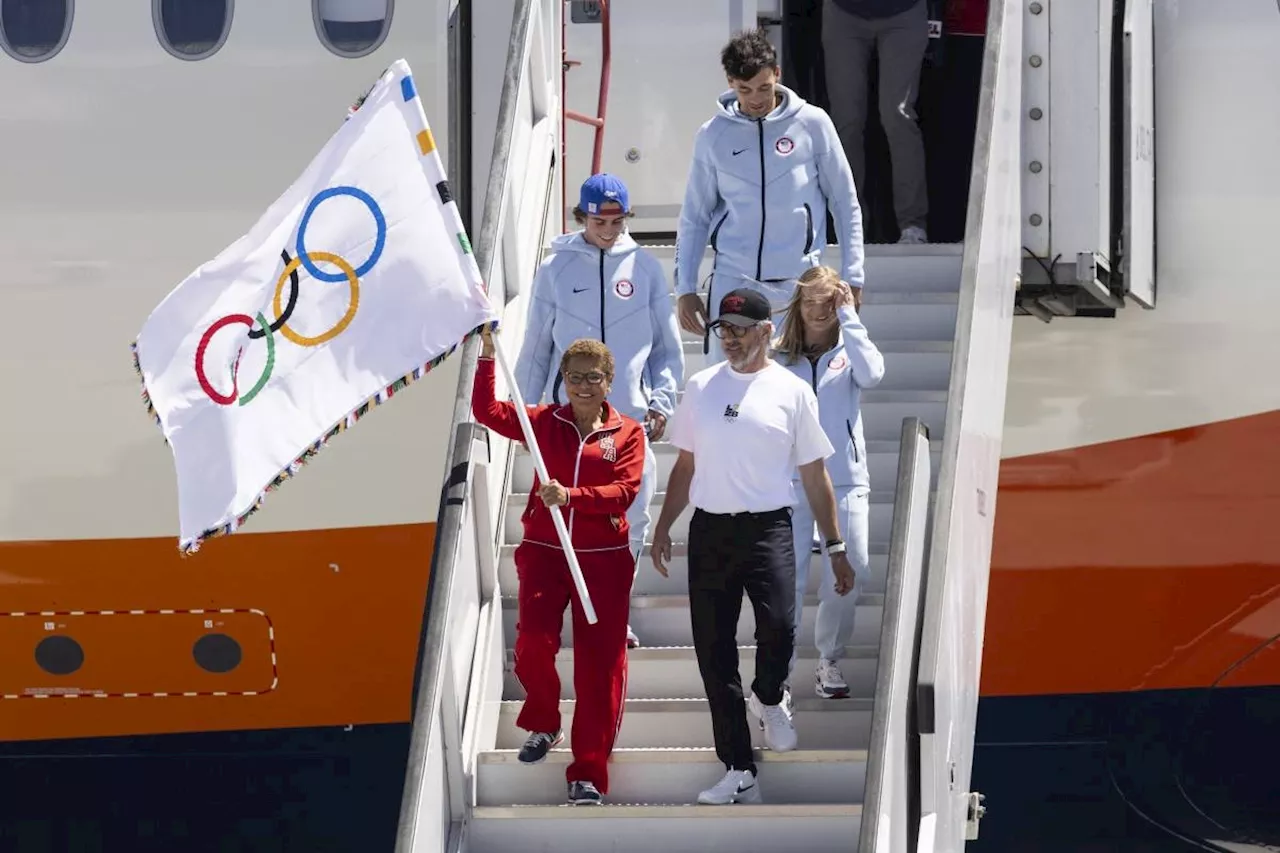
(890, 804)
(959, 564)
(517, 201)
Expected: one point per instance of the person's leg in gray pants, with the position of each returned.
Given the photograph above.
(901, 41)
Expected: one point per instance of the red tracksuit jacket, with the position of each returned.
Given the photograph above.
(602, 472)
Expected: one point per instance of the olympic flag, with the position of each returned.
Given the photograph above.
(355, 282)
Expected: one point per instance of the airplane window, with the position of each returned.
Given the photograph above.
(352, 28)
(192, 29)
(34, 30)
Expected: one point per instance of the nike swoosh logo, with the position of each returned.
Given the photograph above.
(583, 290)
(739, 151)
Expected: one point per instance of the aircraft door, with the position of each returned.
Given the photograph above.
(1139, 235)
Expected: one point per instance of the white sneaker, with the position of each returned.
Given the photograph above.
(828, 680)
(632, 640)
(737, 786)
(913, 234)
(779, 731)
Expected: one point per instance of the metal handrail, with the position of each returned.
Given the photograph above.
(602, 102)
(429, 672)
(903, 604)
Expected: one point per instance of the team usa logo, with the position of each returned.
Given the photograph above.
(732, 304)
(260, 329)
(784, 146)
(625, 289)
(838, 363)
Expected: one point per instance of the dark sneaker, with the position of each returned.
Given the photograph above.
(535, 749)
(584, 794)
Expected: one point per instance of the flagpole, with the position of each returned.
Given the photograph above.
(557, 513)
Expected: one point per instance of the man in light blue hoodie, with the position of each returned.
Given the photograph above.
(765, 171)
(599, 283)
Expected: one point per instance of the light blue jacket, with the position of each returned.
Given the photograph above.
(618, 296)
(758, 194)
(839, 377)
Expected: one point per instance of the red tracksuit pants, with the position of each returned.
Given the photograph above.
(599, 650)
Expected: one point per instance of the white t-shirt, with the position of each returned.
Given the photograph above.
(747, 433)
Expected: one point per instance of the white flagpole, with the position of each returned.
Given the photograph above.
(557, 514)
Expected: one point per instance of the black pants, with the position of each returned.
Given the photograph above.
(729, 555)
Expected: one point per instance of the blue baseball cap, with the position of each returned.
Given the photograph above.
(599, 190)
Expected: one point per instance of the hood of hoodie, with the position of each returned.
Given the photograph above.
(790, 105)
(576, 241)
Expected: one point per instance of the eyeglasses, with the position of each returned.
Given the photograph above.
(724, 329)
(595, 377)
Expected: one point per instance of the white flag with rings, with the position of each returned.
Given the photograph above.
(355, 282)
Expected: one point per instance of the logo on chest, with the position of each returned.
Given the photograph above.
(784, 145)
(625, 289)
(838, 363)
(608, 450)
(731, 413)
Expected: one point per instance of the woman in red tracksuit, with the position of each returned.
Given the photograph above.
(595, 458)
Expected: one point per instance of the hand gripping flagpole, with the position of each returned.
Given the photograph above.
(557, 513)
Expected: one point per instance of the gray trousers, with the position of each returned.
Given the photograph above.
(901, 42)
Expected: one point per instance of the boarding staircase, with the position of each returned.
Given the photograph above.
(883, 771)
(664, 754)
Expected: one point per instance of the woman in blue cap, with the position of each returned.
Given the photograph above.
(599, 283)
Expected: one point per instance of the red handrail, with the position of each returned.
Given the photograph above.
(601, 104)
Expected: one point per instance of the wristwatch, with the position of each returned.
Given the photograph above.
(835, 546)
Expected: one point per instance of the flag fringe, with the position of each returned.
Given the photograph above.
(291, 470)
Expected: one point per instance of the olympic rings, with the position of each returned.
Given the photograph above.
(258, 325)
(352, 281)
(379, 241)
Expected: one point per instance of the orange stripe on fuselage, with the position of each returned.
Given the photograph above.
(334, 615)
(1142, 564)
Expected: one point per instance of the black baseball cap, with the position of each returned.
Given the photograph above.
(743, 307)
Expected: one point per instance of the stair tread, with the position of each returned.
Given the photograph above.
(683, 754)
(867, 599)
(681, 810)
(644, 654)
(807, 704)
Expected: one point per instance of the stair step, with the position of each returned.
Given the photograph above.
(879, 517)
(882, 464)
(674, 776)
(763, 828)
(929, 267)
(663, 620)
(908, 365)
(671, 672)
(820, 723)
(649, 582)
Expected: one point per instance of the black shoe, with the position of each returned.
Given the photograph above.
(584, 794)
(535, 749)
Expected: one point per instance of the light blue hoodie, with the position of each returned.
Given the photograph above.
(839, 377)
(618, 296)
(758, 193)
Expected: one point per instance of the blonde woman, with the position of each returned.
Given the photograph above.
(824, 342)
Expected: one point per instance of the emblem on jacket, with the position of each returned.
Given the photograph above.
(784, 146)
(625, 289)
(838, 363)
(731, 413)
(607, 449)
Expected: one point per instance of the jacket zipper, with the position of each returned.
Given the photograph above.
(808, 237)
(711, 285)
(602, 296)
(849, 426)
(760, 248)
(555, 389)
(577, 464)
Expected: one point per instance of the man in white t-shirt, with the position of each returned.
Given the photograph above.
(743, 428)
